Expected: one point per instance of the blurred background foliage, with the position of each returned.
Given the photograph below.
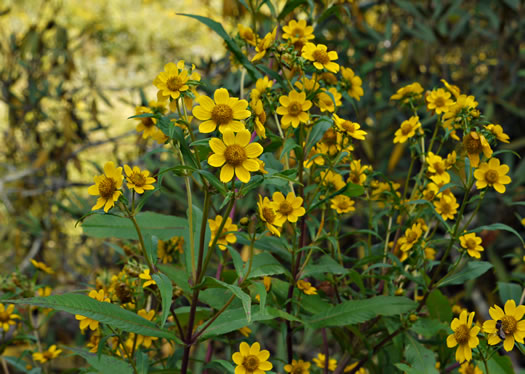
(72, 72)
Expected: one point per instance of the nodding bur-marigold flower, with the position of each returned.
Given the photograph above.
(245, 331)
(468, 368)
(492, 174)
(224, 112)
(306, 287)
(464, 336)
(42, 266)
(446, 206)
(107, 186)
(320, 361)
(438, 168)
(235, 154)
(269, 215)
(298, 33)
(146, 341)
(329, 99)
(439, 101)
(145, 275)
(227, 234)
(146, 124)
(411, 90)
(298, 367)
(320, 57)
(349, 128)
(506, 325)
(451, 88)
(260, 118)
(411, 237)
(51, 353)
(474, 144)
(407, 130)
(86, 322)
(472, 243)
(7, 317)
(289, 208)
(497, 130)
(138, 180)
(353, 83)
(251, 360)
(357, 173)
(247, 34)
(342, 204)
(172, 81)
(264, 44)
(294, 109)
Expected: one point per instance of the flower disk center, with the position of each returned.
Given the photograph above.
(462, 334)
(148, 122)
(472, 145)
(4, 317)
(471, 244)
(321, 57)
(439, 102)
(268, 214)
(285, 208)
(330, 137)
(406, 128)
(295, 108)
(106, 187)
(251, 363)
(174, 83)
(222, 114)
(235, 155)
(509, 325)
(138, 179)
(491, 176)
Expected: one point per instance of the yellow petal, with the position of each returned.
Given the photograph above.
(221, 96)
(243, 138)
(228, 137)
(207, 127)
(216, 160)
(251, 165)
(244, 349)
(242, 173)
(508, 344)
(226, 173)
(217, 145)
(201, 113)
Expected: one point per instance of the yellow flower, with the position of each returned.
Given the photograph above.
(94, 341)
(497, 130)
(439, 101)
(438, 167)
(430, 253)
(326, 102)
(349, 128)
(357, 173)
(407, 130)
(166, 248)
(172, 81)
(452, 88)
(86, 322)
(146, 341)
(251, 360)
(306, 84)
(264, 44)
(48, 355)
(267, 281)
(468, 368)
(465, 104)
(472, 243)
(294, 108)
(342, 204)
(330, 143)
(147, 277)
(464, 336)
(225, 113)
(260, 118)
(247, 34)
(44, 291)
(506, 326)
(474, 144)
(289, 208)
(320, 56)
(430, 192)
(227, 234)
(269, 216)
(245, 331)
(298, 367)
(446, 206)
(263, 84)
(332, 181)
(306, 287)
(353, 83)
(235, 154)
(7, 317)
(42, 266)
(411, 237)
(138, 180)
(146, 124)
(320, 361)
(107, 186)
(492, 174)
(349, 368)
(298, 33)
(411, 90)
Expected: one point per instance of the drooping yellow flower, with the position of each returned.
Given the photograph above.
(298, 33)
(464, 336)
(289, 208)
(107, 186)
(298, 367)
(474, 144)
(269, 216)
(452, 88)
(263, 84)
(492, 174)
(472, 243)
(497, 130)
(446, 206)
(320, 56)
(264, 44)
(251, 360)
(430, 191)
(439, 101)
(145, 275)
(330, 143)
(225, 112)
(86, 322)
(51, 353)
(469, 368)
(411, 237)
(306, 84)
(331, 180)
(42, 266)
(430, 253)
(247, 34)
(349, 368)
(260, 118)
(146, 341)
(352, 83)
(320, 361)
(172, 81)
(342, 204)
(7, 317)
(146, 124)
(235, 154)
(93, 342)
(227, 235)
(294, 109)
(246, 331)
(411, 90)
(464, 104)
(357, 172)
(349, 128)
(407, 129)
(329, 100)
(166, 248)
(138, 180)
(506, 325)
(438, 167)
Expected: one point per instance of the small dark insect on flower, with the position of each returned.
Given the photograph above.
(501, 333)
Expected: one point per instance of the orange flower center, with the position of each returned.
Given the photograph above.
(439, 101)
(107, 187)
(462, 334)
(262, 117)
(445, 208)
(471, 243)
(4, 317)
(148, 122)
(268, 214)
(491, 176)
(343, 204)
(174, 83)
(349, 126)
(472, 145)
(298, 32)
(406, 128)
(297, 370)
(251, 363)
(330, 137)
(295, 108)
(355, 177)
(321, 57)
(285, 208)
(138, 179)
(222, 114)
(509, 325)
(235, 155)
(439, 167)
(412, 237)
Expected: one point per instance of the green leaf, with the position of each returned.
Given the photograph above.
(325, 265)
(231, 320)
(221, 365)
(317, 132)
(162, 226)
(428, 327)
(358, 311)
(290, 7)
(214, 181)
(178, 276)
(166, 293)
(238, 263)
(421, 359)
(261, 291)
(509, 291)
(472, 270)
(103, 363)
(500, 226)
(439, 307)
(265, 264)
(500, 365)
(246, 300)
(107, 313)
